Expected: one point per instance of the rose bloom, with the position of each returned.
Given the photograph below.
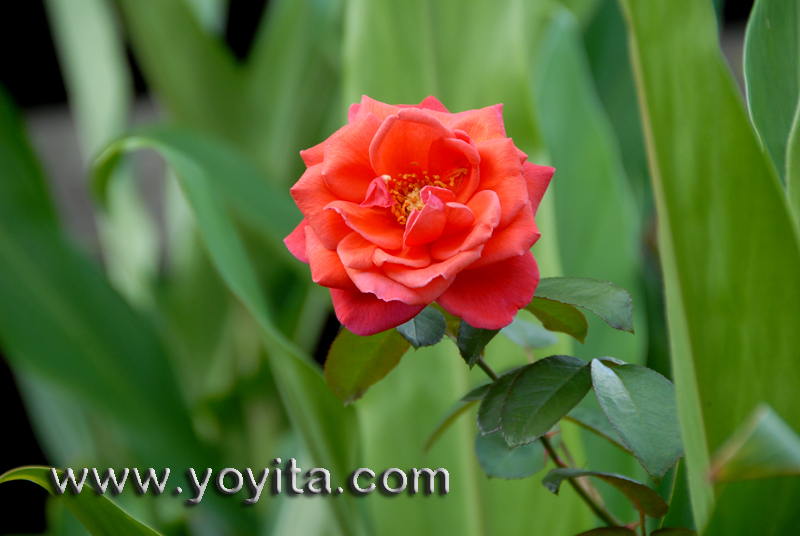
(407, 205)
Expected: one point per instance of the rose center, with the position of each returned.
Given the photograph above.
(406, 189)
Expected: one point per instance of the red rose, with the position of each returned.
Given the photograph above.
(407, 205)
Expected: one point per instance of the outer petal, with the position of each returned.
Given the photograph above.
(296, 242)
(482, 124)
(489, 297)
(346, 167)
(312, 195)
(512, 241)
(405, 139)
(379, 109)
(365, 314)
(326, 267)
(375, 224)
(502, 173)
(486, 208)
(537, 179)
(420, 278)
(374, 281)
(432, 103)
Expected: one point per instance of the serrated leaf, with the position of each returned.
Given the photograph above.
(764, 446)
(596, 422)
(561, 317)
(489, 410)
(640, 404)
(608, 531)
(99, 515)
(425, 329)
(540, 395)
(499, 461)
(529, 335)
(477, 394)
(643, 498)
(471, 342)
(355, 363)
(608, 301)
(460, 408)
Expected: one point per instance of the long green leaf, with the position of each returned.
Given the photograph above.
(732, 295)
(96, 512)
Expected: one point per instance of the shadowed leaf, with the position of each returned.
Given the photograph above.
(608, 301)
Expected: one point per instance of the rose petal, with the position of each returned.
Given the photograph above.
(346, 168)
(365, 314)
(512, 241)
(485, 206)
(502, 173)
(379, 109)
(356, 252)
(402, 143)
(537, 178)
(425, 225)
(378, 194)
(445, 195)
(296, 242)
(312, 195)
(418, 278)
(376, 282)
(432, 103)
(480, 125)
(375, 224)
(415, 257)
(459, 218)
(490, 297)
(326, 267)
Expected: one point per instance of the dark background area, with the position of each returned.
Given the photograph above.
(29, 71)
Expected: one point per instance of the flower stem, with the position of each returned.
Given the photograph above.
(599, 510)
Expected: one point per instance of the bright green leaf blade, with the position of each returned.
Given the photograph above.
(772, 73)
(561, 317)
(98, 514)
(597, 423)
(608, 531)
(793, 166)
(355, 363)
(460, 408)
(529, 335)
(730, 288)
(764, 446)
(642, 497)
(608, 301)
(492, 403)
(640, 404)
(673, 532)
(680, 504)
(541, 395)
(472, 341)
(499, 461)
(425, 329)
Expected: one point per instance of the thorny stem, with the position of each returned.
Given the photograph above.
(599, 510)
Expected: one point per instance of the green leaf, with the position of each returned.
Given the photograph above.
(96, 512)
(425, 329)
(730, 283)
(793, 166)
(643, 498)
(529, 335)
(561, 317)
(472, 341)
(541, 395)
(608, 531)
(772, 73)
(608, 301)
(355, 363)
(764, 446)
(459, 409)
(477, 394)
(492, 403)
(672, 531)
(640, 404)
(596, 422)
(499, 461)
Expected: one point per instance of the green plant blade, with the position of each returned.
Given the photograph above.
(730, 297)
(96, 512)
(764, 446)
(596, 422)
(561, 317)
(772, 73)
(529, 335)
(643, 498)
(425, 329)
(499, 461)
(327, 428)
(472, 341)
(355, 363)
(608, 301)
(640, 404)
